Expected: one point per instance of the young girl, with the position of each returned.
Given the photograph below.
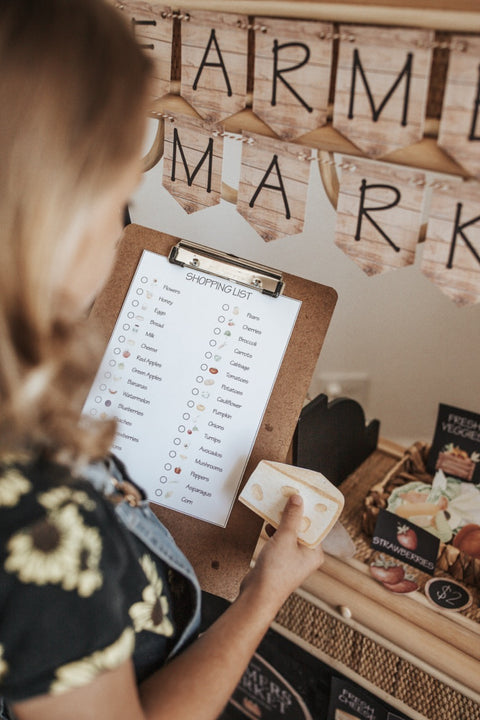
(98, 607)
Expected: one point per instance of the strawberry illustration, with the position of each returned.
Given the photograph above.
(404, 586)
(407, 537)
(391, 574)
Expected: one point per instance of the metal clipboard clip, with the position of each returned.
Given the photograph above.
(230, 267)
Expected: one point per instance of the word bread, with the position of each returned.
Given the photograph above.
(271, 484)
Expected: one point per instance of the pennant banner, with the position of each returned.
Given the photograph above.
(381, 86)
(153, 27)
(292, 75)
(214, 63)
(192, 165)
(451, 255)
(459, 132)
(379, 214)
(273, 186)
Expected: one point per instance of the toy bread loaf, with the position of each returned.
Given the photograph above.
(271, 484)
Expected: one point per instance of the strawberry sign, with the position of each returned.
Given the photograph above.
(403, 553)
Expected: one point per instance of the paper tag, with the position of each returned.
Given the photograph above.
(448, 594)
(456, 444)
(404, 554)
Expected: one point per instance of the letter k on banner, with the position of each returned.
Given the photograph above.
(451, 256)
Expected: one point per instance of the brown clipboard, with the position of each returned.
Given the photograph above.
(221, 556)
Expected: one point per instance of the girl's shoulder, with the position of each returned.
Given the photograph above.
(36, 493)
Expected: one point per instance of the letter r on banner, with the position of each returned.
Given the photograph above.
(293, 61)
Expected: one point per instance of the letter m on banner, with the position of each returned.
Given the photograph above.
(382, 86)
(192, 164)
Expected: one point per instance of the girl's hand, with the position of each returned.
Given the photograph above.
(283, 564)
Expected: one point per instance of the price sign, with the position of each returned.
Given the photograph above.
(447, 594)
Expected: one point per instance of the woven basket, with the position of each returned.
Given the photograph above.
(411, 467)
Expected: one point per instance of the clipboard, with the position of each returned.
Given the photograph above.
(221, 556)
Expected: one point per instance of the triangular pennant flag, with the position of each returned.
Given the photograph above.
(292, 74)
(192, 164)
(381, 86)
(451, 254)
(379, 214)
(214, 63)
(153, 28)
(273, 186)
(459, 132)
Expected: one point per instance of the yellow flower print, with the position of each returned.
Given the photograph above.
(3, 664)
(151, 613)
(57, 549)
(81, 672)
(56, 497)
(88, 578)
(12, 486)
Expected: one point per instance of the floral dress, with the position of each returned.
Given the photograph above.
(79, 594)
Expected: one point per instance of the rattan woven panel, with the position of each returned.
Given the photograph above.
(383, 668)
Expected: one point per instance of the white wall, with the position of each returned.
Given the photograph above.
(397, 329)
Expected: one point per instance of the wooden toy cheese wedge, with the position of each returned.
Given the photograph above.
(270, 486)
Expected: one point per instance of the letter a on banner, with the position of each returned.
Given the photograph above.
(381, 86)
(459, 132)
(214, 63)
(451, 253)
(153, 29)
(192, 162)
(273, 186)
(379, 214)
(292, 75)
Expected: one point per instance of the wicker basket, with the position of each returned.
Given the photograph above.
(412, 466)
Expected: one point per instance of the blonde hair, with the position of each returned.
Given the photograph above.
(72, 102)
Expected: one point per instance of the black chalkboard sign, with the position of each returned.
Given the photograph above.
(447, 594)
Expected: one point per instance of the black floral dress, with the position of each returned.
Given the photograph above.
(78, 593)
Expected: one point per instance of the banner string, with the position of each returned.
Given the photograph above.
(312, 156)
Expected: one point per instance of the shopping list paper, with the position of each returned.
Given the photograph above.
(187, 373)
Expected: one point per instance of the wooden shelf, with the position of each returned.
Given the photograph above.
(462, 16)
